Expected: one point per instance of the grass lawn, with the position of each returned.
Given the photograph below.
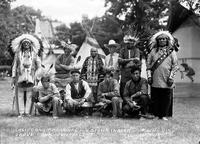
(183, 128)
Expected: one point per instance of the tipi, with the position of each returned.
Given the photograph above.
(84, 51)
(185, 26)
(45, 31)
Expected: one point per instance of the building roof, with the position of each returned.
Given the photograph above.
(178, 15)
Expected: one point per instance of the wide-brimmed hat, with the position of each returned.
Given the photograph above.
(111, 43)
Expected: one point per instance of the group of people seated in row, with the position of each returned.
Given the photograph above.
(77, 97)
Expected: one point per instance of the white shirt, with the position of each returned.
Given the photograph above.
(86, 87)
(115, 61)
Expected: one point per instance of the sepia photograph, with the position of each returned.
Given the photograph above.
(99, 71)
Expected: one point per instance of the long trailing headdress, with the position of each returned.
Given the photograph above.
(41, 49)
(16, 43)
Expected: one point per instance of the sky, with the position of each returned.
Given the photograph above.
(66, 11)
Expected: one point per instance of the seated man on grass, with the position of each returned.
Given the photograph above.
(77, 97)
(48, 98)
(108, 95)
(135, 94)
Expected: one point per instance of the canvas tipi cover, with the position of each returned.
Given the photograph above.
(44, 29)
(84, 51)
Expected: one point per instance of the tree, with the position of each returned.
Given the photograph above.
(101, 28)
(77, 33)
(23, 19)
(141, 17)
(142, 14)
(4, 30)
(192, 5)
(106, 28)
(63, 32)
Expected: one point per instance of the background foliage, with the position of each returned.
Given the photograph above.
(122, 16)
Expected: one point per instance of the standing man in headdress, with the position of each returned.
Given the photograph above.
(26, 63)
(111, 61)
(91, 71)
(128, 54)
(162, 64)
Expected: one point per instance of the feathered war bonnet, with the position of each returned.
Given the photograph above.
(45, 71)
(17, 42)
(130, 39)
(154, 38)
